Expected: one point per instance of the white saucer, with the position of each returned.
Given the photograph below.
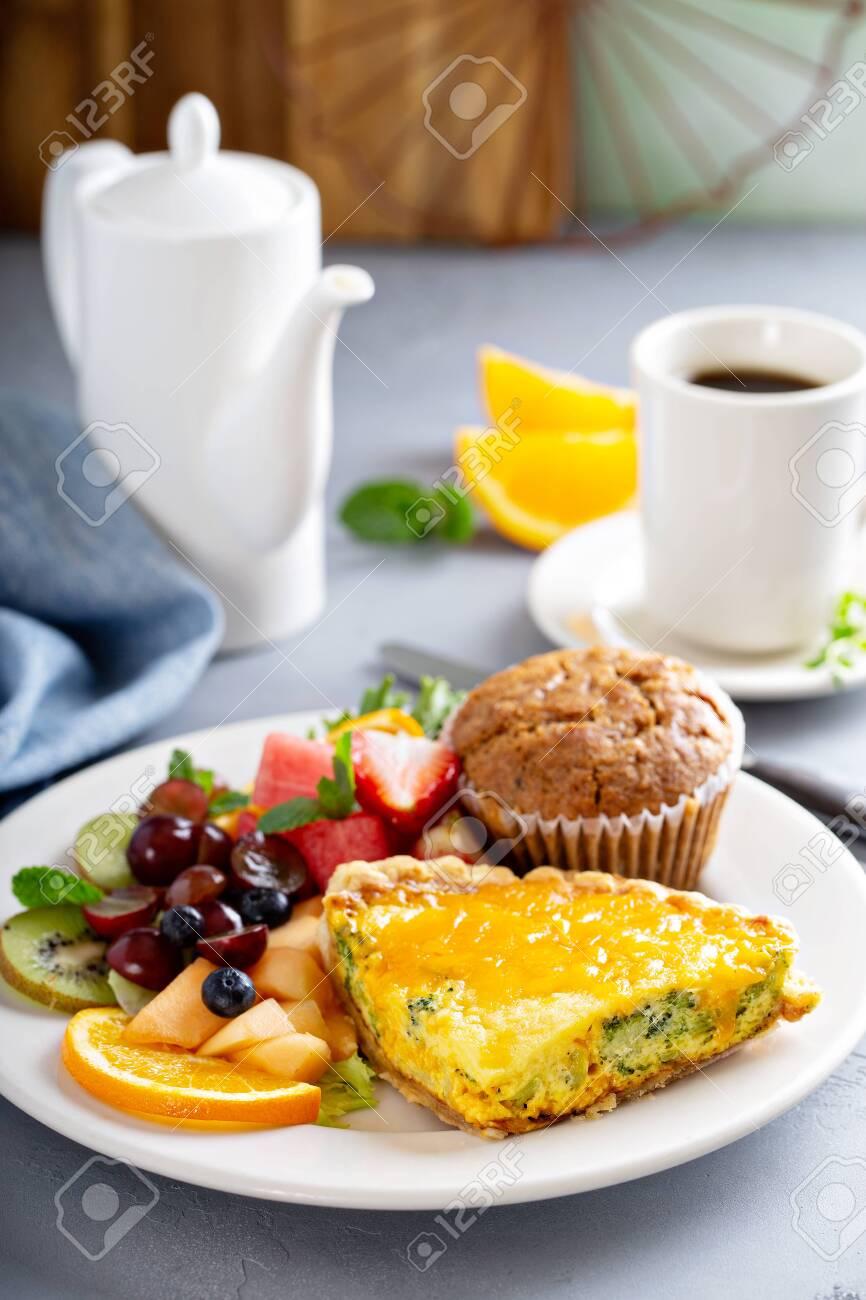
(587, 588)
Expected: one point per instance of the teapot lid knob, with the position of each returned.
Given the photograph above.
(193, 131)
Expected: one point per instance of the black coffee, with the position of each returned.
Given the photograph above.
(752, 381)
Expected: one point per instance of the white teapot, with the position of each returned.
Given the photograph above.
(190, 298)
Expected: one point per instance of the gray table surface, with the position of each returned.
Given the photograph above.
(716, 1227)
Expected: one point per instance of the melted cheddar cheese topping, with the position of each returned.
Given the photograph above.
(531, 940)
(513, 1002)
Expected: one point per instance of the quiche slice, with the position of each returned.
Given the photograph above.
(504, 1004)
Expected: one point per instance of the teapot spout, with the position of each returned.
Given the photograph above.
(337, 288)
(271, 452)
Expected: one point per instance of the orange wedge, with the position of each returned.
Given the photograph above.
(391, 720)
(546, 483)
(170, 1082)
(530, 397)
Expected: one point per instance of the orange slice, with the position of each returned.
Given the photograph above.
(391, 720)
(547, 483)
(170, 1082)
(530, 397)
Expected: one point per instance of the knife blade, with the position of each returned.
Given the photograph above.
(826, 795)
(412, 665)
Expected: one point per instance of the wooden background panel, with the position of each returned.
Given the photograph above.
(336, 91)
(358, 116)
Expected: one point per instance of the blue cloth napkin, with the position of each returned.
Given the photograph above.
(102, 631)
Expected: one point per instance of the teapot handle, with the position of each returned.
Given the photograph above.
(61, 231)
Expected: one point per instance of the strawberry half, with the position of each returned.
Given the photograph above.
(405, 779)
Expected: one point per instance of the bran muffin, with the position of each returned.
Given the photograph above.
(601, 759)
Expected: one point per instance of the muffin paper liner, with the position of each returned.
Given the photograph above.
(670, 846)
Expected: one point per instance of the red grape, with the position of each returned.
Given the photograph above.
(122, 910)
(161, 847)
(215, 846)
(219, 918)
(268, 862)
(145, 957)
(241, 948)
(182, 798)
(195, 885)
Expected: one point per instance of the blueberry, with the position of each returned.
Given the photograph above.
(227, 992)
(265, 906)
(182, 925)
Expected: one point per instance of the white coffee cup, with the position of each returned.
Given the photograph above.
(750, 502)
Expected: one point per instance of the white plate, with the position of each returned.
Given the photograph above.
(586, 587)
(402, 1158)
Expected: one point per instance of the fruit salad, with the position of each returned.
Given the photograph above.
(186, 944)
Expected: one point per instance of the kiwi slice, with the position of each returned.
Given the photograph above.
(52, 955)
(100, 850)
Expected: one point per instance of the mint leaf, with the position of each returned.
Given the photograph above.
(228, 801)
(337, 795)
(204, 777)
(49, 886)
(290, 815)
(381, 511)
(180, 766)
(403, 511)
(436, 699)
(382, 696)
(458, 522)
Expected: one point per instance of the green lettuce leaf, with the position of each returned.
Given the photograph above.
(346, 1086)
(382, 696)
(436, 699)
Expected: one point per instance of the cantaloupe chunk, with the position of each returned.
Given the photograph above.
(301, 1057)
(287, 974)
(300, 932)
(177, 1014)
(263, 1020)
(309, 907)
(340, 1036)
(306, 1018)
(336, 1029)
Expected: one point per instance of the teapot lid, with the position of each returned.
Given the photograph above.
(195, 189)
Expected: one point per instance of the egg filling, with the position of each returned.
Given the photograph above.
(515, 1004)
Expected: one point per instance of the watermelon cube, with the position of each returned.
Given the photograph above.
(290, 766)
(324, 845)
